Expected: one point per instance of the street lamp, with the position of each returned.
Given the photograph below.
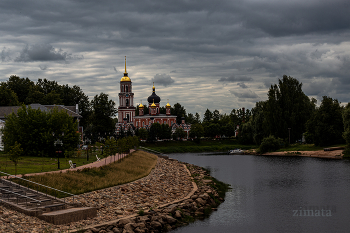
(289, 135)
(87, 141)
(58, 142)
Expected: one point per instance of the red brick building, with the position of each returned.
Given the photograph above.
(126, 110)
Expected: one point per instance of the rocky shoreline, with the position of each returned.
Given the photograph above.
(170, 196)
(198, 205)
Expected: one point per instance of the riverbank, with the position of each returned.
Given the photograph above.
(335, 154)
(168, 197)
(168, 147)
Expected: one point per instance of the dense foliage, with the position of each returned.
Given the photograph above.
(287, 107)
(346, 133)
(33, 129)
(18, 91)
(325, 127)
(269, 144)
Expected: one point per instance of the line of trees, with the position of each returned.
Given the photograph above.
(288, 114)
(97, 114)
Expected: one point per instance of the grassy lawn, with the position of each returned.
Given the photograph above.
(307, 147)
(28, 165)
(203, 146)
(133, 167)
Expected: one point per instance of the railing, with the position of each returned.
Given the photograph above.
(19, 195)
(37, 184)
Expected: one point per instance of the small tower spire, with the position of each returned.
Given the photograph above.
(125, 66)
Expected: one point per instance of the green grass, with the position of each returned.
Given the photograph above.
(204, 146)
(130, 168)
(306, 147)
(28, 165)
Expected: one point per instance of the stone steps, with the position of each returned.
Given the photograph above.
(41, 205)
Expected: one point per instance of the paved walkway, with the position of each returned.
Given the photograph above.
(102, 162)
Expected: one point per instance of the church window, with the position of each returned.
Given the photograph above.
(127, 102)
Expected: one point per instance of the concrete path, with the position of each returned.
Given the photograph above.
(102, 162)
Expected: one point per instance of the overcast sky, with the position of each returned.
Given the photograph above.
(202, 54)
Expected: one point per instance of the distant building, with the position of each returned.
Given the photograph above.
(127, 121)
(72, 111)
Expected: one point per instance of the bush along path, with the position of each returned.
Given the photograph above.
(207, 195)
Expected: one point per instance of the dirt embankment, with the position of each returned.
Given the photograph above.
(334, 154)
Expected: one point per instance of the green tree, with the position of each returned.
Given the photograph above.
(20, 86)
(103, 112)
(179, 134)
(287, 107)
(208, 117)
(143, 134)
(155, 132)
(325, 127)
(7, 96)
(270, 144)
(35, 95)
(74, 95)
(15, 153)
(179, 111)
(212, 130)
(196, 132)
(197, 118)
(216, 116)
(346, 133)
(33, 129)
(165, 131)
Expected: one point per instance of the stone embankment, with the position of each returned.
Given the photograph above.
(167, 198)
(199, 204)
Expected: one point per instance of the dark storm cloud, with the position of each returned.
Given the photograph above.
(5, 55)
(235, 79)
(204, 40)
(41, 52)
(242, 85)
(163, 79)
(248, 94)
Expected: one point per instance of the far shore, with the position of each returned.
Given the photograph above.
(335, 154)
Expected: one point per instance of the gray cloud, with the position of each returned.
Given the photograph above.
(242, 85)
(5, 55)
(41, 52)
(244, 95)
(43, 67)
(233, 78)
(204, 44)
(163, 79)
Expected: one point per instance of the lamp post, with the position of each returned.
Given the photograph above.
(58, 142)
(87, 142)
(289, 135)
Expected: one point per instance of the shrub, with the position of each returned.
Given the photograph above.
(270, 144)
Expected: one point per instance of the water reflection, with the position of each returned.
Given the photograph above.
(266, 190)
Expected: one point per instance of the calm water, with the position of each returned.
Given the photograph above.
(266, 190)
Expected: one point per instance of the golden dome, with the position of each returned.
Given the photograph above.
(153, 105)
(125, 78)
(141, 106)
(168, 105)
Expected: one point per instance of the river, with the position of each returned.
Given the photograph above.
(276, 194)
